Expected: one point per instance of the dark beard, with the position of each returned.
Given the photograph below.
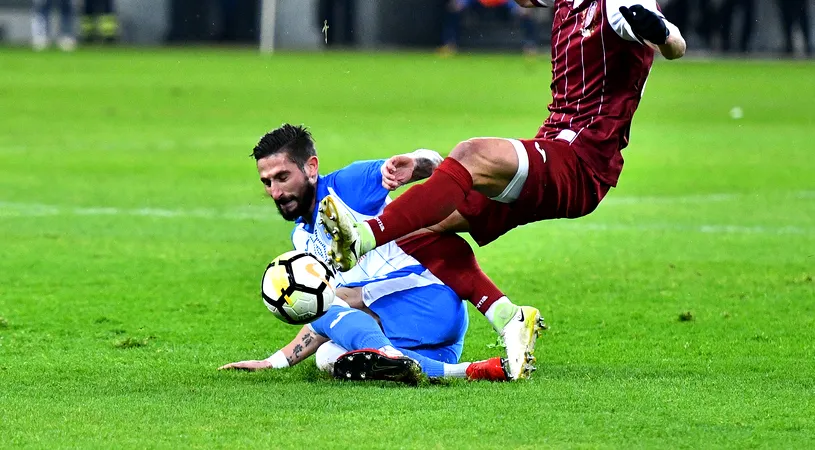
(303, 205)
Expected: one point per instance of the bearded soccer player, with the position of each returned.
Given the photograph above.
(407, 284)
(602, 52)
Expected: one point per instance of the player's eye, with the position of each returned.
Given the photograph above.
(266, 182)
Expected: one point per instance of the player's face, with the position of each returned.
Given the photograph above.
(291, 188)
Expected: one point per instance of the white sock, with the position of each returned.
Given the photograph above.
(327, 355)
(456, 370)
(490, 314)
(390, 351)
(365, 230)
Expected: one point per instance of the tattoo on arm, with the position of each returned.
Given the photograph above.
(307, 339)
(296, 352)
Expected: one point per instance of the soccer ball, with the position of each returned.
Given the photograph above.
(296, 287)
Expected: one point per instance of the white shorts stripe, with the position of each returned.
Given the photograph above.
(513, 189)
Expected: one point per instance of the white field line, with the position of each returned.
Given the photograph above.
(108, 145)
(702, 198)
(647, 200)
(9, 209)
(707, 229)
(13, 209)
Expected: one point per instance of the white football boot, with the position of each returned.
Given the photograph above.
(351, 240)
(520, 334)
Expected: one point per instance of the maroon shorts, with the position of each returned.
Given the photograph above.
(559, 185)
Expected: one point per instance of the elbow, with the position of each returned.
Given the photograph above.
(679, 51)
(675, 46)
(674, 50)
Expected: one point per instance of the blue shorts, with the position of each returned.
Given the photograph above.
(430, 320)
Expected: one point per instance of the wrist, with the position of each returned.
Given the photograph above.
(278, 360)
(430, 155)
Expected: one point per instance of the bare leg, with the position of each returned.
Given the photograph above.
(454, 223)
(486, 165)
(353, 297)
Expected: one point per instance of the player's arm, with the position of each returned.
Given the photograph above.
(304, 344)
(675, 46)
(534, 3)
(301, 347)
(403, 169)
(641, 21)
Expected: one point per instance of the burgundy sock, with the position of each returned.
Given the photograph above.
(425, 204)
(451, 259)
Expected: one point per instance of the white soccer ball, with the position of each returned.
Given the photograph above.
(297, 287)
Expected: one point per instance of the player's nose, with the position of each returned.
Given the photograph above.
(278, 194)
(274, 192)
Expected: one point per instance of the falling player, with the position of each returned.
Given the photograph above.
(602, 51)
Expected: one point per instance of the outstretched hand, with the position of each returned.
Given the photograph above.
(645, 24)
(249, 366)
(397, 171)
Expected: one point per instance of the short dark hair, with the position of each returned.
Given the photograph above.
(295, 140)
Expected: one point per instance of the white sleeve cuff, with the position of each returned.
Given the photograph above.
(278, 360)
(618, 22)
(673, 30)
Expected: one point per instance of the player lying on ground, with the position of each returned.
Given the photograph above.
(602, 52)
(401, 336)
(289, 169)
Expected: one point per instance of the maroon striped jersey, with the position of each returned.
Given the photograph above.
(599, 70)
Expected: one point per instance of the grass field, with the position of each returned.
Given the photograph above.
(133, 233)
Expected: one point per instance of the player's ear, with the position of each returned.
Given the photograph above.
(312, 168)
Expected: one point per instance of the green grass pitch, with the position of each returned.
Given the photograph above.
(133, 232)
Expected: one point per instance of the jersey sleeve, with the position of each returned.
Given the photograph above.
(299, 238)
(359, 185)
(618, 22)
(543, 3)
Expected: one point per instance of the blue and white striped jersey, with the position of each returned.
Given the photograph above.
(382, 271)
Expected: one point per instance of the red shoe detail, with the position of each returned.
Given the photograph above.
(491, 370)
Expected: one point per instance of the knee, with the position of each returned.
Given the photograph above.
(327, 355)
(351, 296)
(467, 151)
(487, 157)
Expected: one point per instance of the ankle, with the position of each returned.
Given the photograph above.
(500, 313)
(367, 240)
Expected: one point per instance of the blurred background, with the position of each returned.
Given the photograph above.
(772, 27)
(134, 229)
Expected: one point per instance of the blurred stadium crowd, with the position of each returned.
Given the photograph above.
(716, 26)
